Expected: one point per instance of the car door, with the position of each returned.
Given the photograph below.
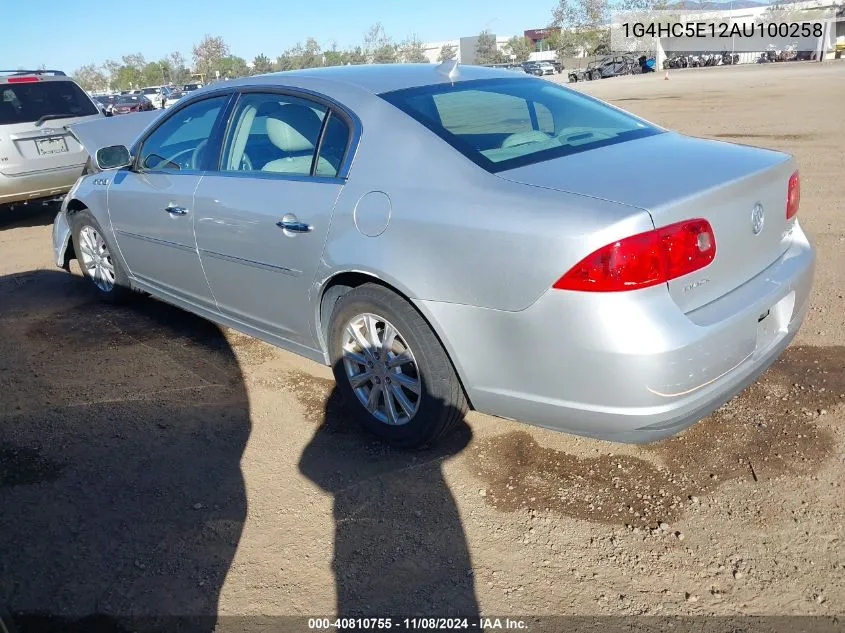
(151, 203)
(263, 217)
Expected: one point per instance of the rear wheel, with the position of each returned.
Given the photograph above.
(94, 254)
(392, 370)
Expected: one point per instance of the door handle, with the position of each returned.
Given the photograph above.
(173, 210)
(290, 223)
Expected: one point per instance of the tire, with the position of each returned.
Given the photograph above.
(440, 405)
(88, 237)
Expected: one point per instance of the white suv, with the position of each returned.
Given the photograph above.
(161, 96)
(39, 158)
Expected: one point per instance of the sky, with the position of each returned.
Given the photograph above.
(77, 33)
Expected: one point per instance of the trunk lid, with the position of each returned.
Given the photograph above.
(674, 178)
(124, 129)
(26, 148)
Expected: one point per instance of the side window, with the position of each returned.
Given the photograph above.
(545, 120)
(332, 147)
(180, 142)
(273, 133)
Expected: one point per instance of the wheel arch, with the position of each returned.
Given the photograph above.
(338, 284)
(73, 206)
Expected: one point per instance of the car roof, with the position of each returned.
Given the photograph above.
(379, 78)
(43, 75)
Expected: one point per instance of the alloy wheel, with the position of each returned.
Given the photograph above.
(381, 369)
(96, 259)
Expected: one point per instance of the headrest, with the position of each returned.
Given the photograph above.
(291, 127)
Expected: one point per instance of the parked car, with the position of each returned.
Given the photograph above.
(160, 96)
(125, 104)
(612, 66)
(186, 88)
(538, 68)
(105, 103)
(625, 309)
(173, 97)
(39, 159)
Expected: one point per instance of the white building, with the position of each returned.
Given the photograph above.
(464, 48)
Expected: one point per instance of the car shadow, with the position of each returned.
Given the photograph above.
(28, 215)
(121, 436)
(400, 547)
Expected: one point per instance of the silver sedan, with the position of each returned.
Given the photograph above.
(451, 237)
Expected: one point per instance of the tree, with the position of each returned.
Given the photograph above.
(584, 25)
(208, 54)
(355, 56)
(486, 51)
(232, 66)
(312, 55)
(154, 74)
(89, 77)
(519, 47)
(112, 69)
(127, 77)
(179, 73)
(262, 64)
(334, 57)
(447, 52)
(378, 47)
(413, 51)
(135, 61)
(299, 56)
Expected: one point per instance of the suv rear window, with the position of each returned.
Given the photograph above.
(507, 123)
(29, 102)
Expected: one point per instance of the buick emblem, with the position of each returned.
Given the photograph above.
(757, 218)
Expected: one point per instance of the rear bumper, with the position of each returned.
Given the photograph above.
(38, 184)
(628, 367)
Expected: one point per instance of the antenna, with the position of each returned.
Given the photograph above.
(449, 69)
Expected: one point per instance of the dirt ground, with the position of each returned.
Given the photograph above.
(151, 463)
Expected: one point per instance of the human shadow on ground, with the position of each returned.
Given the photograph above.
(121, 435)
(400, 547)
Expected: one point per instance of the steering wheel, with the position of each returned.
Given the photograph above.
(184, 164)
(195, 157)
(524, 138)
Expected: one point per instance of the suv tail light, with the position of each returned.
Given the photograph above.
(643, 260)
(21, 80)
(793, 196)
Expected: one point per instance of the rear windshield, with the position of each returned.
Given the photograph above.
(506, 123)
(29, 102)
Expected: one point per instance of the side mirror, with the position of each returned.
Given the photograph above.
(113, 157)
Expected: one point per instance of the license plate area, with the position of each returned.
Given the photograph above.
(773, 323)
(51, 145)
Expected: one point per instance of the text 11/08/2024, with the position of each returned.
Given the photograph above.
(418, 624)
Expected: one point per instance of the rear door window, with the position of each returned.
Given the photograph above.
(33, 101)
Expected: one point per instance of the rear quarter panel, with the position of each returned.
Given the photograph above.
(457, 233)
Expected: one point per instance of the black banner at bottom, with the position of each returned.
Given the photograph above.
(43, 623)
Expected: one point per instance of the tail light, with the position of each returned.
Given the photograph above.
(643, 260)
(21, 80)
(793, 195)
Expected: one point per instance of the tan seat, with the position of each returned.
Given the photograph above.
(294, 129)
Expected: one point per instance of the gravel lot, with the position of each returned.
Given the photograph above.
(151, 463)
